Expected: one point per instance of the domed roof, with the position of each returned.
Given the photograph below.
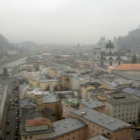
(109, 45)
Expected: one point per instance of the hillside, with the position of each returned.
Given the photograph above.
(4, 44)
(27, 44)
(130, 41)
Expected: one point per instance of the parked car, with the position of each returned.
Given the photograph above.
(8, 131)
(8, 122)
(2, 138)
(16, 137)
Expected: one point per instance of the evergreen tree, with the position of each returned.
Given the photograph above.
(5, 73)
(134, 59)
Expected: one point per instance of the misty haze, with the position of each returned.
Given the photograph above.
(69, 70)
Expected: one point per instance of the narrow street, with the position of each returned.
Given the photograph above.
(11, 122)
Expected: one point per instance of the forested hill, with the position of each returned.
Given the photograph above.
(130, 41)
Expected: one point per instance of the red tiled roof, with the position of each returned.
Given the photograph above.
(36, 122)
(112, 67)
(130, 67)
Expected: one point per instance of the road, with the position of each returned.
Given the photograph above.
(12, 109)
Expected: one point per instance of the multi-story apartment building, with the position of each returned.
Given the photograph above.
(123, 106)
(101, 124)
(44, 129)
(88, 86)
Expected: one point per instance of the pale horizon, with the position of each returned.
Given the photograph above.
(67, 21)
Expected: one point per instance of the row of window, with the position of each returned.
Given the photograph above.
(131, 118)
(34, 128)
(29, 137)
(125, 106)
(130, 114)
(123, 110)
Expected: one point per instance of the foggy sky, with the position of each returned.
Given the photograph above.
(67, 21)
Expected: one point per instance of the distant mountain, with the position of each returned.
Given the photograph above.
(4, 44)
(130, 41)
(27, 44)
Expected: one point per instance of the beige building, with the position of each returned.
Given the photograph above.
(87, 87)
(44, 84)
(44, 99)
(66, 81)
(77, 82)
(52, 72)
(101, 124)
(33, 81)
(49, 84)
(29, 67)
(47, 100)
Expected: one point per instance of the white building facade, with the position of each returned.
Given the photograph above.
(123, 107)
